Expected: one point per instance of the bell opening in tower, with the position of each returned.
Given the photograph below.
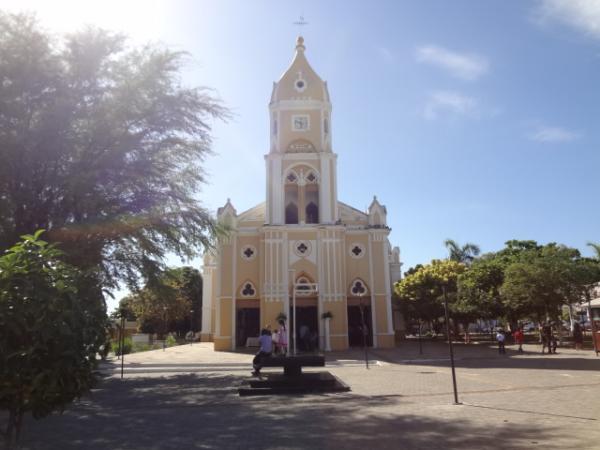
(291, 201)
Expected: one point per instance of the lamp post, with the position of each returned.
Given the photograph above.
(165, 328)
(420, 341)
(591, 316)
(122, 342)
(456, 402)
(294, 332)
(191, 326)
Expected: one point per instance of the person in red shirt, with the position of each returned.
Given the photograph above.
(519, 337)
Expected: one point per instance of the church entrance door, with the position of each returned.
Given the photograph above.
(355, 325)
(247, 325)
(307, 322)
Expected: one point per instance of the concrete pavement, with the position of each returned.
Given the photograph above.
(185, 397)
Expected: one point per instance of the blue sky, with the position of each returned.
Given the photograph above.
(476, 121)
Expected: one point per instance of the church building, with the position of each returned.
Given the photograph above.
(301, 247)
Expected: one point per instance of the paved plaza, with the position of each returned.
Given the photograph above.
(186, 397)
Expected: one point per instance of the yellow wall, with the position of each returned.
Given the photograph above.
(269, 312)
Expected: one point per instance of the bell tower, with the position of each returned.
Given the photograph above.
(301, 167)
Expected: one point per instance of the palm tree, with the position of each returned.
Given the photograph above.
(465, 254)
(596, 248)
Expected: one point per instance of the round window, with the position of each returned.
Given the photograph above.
(300, 84)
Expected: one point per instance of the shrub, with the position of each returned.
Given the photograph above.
(51, 332)
(127, 346)
(171, 341)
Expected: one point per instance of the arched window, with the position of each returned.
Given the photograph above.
(312, 213)
(291, 198)
(311, 199)
(291, 213)
(326, 125)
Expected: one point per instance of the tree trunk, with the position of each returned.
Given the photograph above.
(9, 428)
(19, 425)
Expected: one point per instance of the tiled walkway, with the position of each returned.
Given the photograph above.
(185, 397)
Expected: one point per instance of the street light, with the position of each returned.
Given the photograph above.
(456, 402)
(165, 328)
(122, 340)
(293, 324)
(191, 326)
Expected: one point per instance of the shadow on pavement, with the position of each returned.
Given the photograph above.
(191, 411)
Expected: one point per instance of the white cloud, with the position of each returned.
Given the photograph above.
(553, 134)
(581, 14)
(461, 65)
(449, 102)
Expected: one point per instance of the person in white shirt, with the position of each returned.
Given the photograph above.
(266, 349)
(500, 337)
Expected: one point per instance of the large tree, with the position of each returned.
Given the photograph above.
(101, 145)
(422, 289)
(479, 288)
(164, 304)
(543, 278)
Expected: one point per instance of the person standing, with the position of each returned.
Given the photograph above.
(546, 337)
(500, 337)
(519, 337)
(577, 336)
(266, 349)
(283, 340)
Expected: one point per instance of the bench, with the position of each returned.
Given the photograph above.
(292, 365)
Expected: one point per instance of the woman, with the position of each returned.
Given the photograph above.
(282, 341)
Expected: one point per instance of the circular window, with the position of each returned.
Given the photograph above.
(356, 250)
(302, 248)
(248, 252)
(300, 84)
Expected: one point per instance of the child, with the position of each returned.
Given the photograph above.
(282, 338)
(519, 337)
(500, 337)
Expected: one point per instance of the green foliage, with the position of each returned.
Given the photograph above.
(127, 346)
(51, 332)
(465, 254)
(141, 347)
(101, 144)
(524, 279)
(420, 292)
(541, 280)
(166, 302)
(595, 248)
(171, 341)
(479, 288)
